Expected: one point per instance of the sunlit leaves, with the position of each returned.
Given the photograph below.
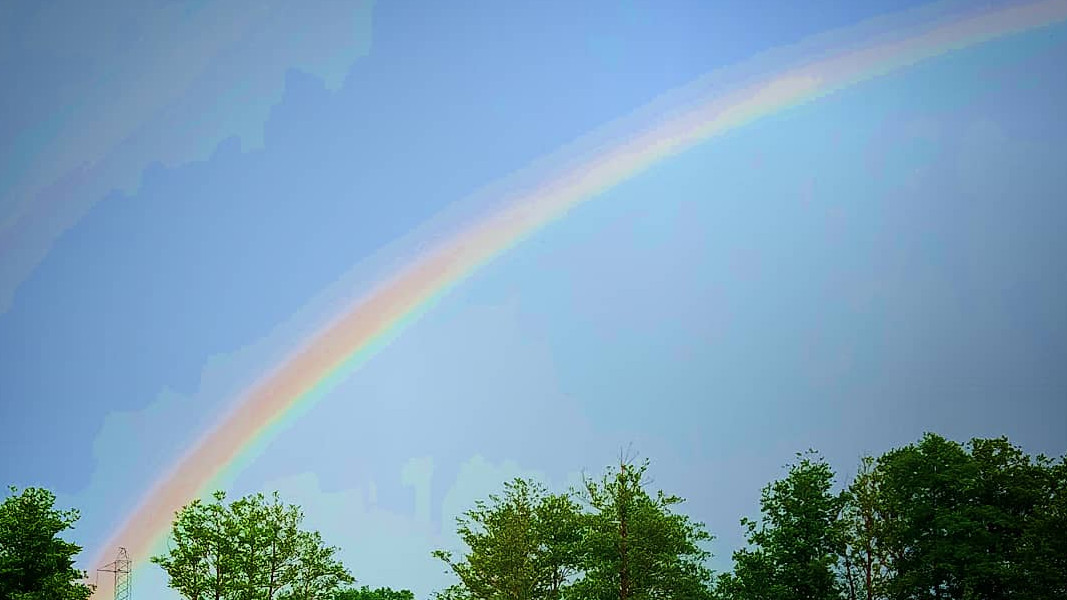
(250, 549)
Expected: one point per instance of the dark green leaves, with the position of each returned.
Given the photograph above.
(794, 547)
(934, 520)
(971, 521)
(35, 563)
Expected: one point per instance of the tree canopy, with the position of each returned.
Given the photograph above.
(522, 545)
(963, 521)
(250, 549)
(795, 546)
(366, 593)
(610, 539)
(636, 547)
(936, 519)
(932, 520)
(35, 563)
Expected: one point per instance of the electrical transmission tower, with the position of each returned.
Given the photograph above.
(121, 568)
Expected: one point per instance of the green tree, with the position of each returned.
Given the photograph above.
(250, 549)
(268, 536)
(203, 562)
(558, 526)
(366, 593)
(1042, 550)
(970, 521)
(636, 547)
(318, 574)
(864, 560)
(521, 546)
(1004, 489)
(35, 563)
(795, 546)
(936, 520)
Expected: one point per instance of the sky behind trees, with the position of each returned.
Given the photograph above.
(842, 275)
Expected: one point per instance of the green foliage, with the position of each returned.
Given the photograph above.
(529, 544)
(35, 563)
(318, 574)
(1042, 544)
(636, 547)
(522, 545)
(365, 593)
(864, 562)
(963, 521)
(932, 520)
(794, 548)
(250, 549)
(936, 520)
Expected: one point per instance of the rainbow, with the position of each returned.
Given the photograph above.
(369, 323)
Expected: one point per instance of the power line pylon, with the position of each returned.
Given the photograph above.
(121, 569)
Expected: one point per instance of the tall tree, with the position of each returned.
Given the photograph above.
(636, 547)
(35, 563)
(864, 561)
(250, 549)
(521, 545)
(795, 546)
(267, 537)
(203, 562)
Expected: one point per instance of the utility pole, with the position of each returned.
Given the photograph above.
(120, 567)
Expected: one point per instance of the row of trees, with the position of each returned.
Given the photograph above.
(611, 540)
(249, 549)
(932, 520)
(935, 520)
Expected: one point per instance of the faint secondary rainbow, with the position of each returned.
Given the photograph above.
(370, 322)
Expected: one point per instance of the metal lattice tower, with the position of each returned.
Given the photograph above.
(120, 567)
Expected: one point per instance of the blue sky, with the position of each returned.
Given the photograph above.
(842, 275)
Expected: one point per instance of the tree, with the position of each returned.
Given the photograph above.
(936, 520)
(365, 593)
(202, 563)
(1005, 487)
(558, 527)
(864, 560)
(250, 549)
(318, 574)
(269, 537)
(635, 546)
(521, 546)
(971, 521)
(35, 563)
(796, 544)
(1042, 550)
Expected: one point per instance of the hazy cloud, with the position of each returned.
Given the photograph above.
(96, 95)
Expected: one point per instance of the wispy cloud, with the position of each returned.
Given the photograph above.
(97, 94)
